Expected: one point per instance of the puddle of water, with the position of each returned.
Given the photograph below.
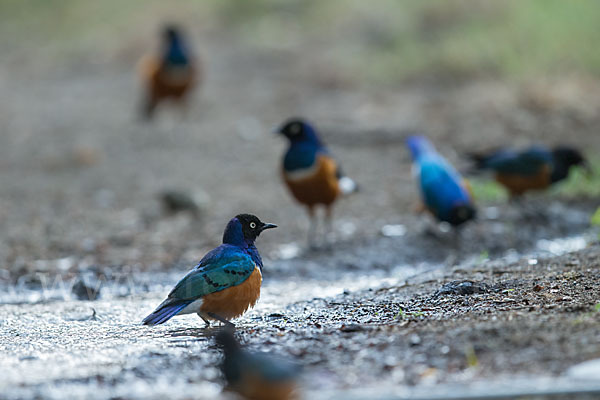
(276, 292)
(557, 247)
(393, 230)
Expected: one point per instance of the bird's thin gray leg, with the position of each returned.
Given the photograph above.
(312, 228)
(221, 319)
(329, 232)
(207, 322)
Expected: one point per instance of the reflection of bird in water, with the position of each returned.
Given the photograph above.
(536, 168)
(169, 75)
(225, 283)
(311, 173)
(256, 376)
(445, 194)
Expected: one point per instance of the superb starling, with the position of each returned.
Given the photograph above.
(444, 192)
(311, 173)
(535, 168)
(256, 376)
(171, 74)
(225, 283)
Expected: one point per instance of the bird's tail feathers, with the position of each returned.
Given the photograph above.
(165, 312)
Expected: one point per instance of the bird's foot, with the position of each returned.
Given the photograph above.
(228, 325)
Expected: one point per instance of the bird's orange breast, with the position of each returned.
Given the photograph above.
(519, 184)
(167, 82)
(236, 300)
(319, 186)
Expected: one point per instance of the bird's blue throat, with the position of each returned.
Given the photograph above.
(300, 155)
(176, 53)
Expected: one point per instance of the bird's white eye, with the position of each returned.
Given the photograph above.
(252, 225)
(295, 129)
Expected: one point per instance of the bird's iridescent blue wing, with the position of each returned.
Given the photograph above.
(527, 162)
(441, 185)
(216, 274)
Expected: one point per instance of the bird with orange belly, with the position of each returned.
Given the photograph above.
(169, 75)
(225, 283)
(310, 172)
(257, 376)
(535, 168)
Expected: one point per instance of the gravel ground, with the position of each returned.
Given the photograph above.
(451, 331)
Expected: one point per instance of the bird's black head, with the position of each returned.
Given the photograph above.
(564, 158)
(226, 340)
(252, 226)
(461, 214)
(568, 155)
(244, 228)
(293, 128)
(230, 365)
(172, 33)
(298, 130)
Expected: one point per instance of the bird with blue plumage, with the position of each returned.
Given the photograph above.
(534, 168)
(256, 376)
(444, 192)
(225, 283)
(170, 74)
(313, 176)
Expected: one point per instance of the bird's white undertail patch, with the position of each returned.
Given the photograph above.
(192, 308)
(347, 185)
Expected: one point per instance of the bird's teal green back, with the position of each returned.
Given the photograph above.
(230, 268)
(528, 162)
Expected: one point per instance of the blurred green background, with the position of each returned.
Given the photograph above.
(382, 42)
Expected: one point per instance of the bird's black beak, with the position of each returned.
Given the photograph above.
(268, 226)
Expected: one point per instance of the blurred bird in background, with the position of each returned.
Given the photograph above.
(171, 74)
(256, 376)
(445, 194)
(536, 168)
(311, 173)
(225, 283)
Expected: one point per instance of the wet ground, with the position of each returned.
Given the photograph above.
(389, 327)
(396, 307)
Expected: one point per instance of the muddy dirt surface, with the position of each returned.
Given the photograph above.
(81, 175)
(449, 328)
(376, 311)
